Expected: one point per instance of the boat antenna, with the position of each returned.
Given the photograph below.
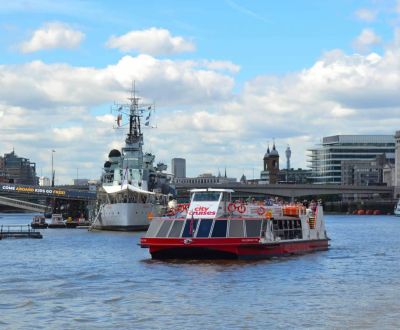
(134, 118)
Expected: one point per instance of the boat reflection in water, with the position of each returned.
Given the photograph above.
(213, 227)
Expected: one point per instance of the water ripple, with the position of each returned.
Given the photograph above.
(82, 280)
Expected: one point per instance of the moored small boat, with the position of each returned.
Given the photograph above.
(213, 227)
(39, 222)
(56, 221)
(70, 223)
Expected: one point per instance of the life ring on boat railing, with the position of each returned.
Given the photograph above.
(260, 210)
(241, 208)
(231, 207)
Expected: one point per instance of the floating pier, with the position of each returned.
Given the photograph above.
(18, 231)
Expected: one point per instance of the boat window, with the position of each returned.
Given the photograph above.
(153, 228)
(236, 228)
(287, 229)
(190, 227)
(206, 196)
(253, 228)
(263, 227)
(164, 228)
(176, 229)
(219, 229)
(204, 228)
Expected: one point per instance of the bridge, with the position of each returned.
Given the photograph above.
(15, 195)
(24, 205)
(20, 190)
(295, 190)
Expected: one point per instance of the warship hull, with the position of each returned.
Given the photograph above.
(126, 216)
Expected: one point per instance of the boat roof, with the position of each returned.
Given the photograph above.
(125, 187)
(212, 189)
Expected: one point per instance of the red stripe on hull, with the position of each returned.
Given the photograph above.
(223, 248)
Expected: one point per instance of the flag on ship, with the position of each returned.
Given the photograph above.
(147, 121)
(119, 118)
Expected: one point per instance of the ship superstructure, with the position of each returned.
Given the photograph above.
(133, 189)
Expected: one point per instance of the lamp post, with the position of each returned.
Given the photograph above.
(52, 167)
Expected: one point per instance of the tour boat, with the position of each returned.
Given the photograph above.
(211, 226)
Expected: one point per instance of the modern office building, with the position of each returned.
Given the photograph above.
(19, 170)
(178, 166)
(330, 161)
(299, 176)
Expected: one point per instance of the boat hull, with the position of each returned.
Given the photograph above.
(126, 216)
(39, 226)
(56, 225)
(248, 248)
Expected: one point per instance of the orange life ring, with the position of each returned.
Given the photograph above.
(231, 207)
(241, 208)
(260, 210)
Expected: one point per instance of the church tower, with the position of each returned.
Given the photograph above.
(272, 164)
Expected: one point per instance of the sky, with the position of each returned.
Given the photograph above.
(228, 78)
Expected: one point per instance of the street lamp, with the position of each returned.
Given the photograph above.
(52, 167)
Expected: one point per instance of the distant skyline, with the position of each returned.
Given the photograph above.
(227, 78)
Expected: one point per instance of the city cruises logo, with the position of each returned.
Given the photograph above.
(201, 210)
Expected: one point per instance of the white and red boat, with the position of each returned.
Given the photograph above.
(214, 227)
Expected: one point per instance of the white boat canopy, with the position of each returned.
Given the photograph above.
(211, 189)
(125, 187)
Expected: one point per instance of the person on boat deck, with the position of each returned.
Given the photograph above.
(313, 206)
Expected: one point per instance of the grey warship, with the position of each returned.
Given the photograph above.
(133, 190)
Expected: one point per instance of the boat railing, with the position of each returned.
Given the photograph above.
(18, 231)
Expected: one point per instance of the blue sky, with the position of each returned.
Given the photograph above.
(227, 77)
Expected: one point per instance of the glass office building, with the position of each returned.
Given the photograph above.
(326, 160)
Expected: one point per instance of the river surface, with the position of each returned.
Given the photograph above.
(76, 279)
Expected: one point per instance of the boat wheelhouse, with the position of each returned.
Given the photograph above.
(214, 227)
(39, 222)
(57, 221)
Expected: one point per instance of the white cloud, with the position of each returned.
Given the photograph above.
(366, 15)
(153, 41)
(366, 40)
(52, 35)
(198, 115)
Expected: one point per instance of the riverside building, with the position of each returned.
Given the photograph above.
(18, 170)
(178, 166)
(340, 156)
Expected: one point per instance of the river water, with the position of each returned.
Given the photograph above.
(76, 279)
